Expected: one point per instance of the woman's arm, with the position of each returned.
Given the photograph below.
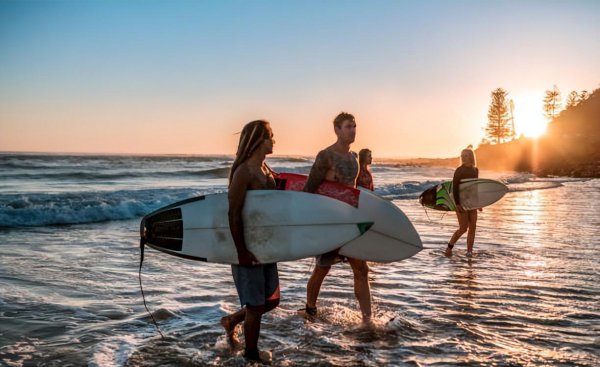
(237, 196)
(456, 188)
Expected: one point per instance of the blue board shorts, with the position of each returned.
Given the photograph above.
(256, 284)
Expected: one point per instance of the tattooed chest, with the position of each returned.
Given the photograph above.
(344, 169)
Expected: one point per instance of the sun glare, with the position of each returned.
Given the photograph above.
(529, 116)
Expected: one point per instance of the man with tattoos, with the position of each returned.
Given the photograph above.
(337, 163)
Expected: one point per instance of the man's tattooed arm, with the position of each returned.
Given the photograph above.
(317, 172)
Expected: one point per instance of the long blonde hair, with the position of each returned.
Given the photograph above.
(469, 154)
(251, 138)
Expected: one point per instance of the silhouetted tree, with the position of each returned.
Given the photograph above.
(552, 103)
(572, 99)
(583, 96)
(498, 128)
(511, 105)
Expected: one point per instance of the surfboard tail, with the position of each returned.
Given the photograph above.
(163, 229)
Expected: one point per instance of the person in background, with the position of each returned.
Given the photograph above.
(257, 284)
(365, 177)
(467, 219)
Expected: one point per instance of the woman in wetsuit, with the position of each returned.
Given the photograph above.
(467, 219)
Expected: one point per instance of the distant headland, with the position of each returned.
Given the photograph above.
(570, 147)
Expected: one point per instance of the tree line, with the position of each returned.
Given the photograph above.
(500, 127)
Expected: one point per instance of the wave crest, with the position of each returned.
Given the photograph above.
(31, 210)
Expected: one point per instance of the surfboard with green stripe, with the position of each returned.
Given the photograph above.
(474, 193)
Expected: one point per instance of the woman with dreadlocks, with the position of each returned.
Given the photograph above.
(257, 284)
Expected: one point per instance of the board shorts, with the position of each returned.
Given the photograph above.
(256, 284)
(330, 258)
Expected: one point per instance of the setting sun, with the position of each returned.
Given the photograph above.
(529, 116)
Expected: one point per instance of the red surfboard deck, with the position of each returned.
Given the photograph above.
(296, 182)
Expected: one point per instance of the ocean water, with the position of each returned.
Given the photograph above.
(70, 295)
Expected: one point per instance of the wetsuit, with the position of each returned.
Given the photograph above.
(461, 173)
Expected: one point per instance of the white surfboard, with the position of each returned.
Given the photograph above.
(474, 193)
(478, 193)
(392, 236)
(278, 226)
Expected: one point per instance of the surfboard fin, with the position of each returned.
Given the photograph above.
(364, 227)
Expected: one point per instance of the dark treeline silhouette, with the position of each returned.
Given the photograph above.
(570, 147)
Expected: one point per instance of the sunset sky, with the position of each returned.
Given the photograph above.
(183, 77)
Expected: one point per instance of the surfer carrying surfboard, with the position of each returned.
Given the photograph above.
(257, 284)
(337, 163)
(467, 219)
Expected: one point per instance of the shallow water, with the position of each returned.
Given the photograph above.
(69, 293)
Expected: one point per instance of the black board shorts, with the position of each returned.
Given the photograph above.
(330, 258)
(256, 284)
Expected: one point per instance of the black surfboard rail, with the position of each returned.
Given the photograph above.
(163, 228)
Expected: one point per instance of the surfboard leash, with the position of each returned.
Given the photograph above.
(142, 243)
(427, 214)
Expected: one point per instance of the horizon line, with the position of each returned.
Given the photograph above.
(15, 152)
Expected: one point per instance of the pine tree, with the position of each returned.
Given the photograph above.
(552, 103)
(498, 128)
(572, 99)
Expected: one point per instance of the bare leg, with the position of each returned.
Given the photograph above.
(229, 323)
(271, 304)
(463, 222)
(472, 227)
(252, 330)
(314, 284)
(362, 290)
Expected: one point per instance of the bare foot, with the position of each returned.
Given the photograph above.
(368, 323)
(262, 356)
(266, 357)
(448, 252)
(309, 313)
(232, 338)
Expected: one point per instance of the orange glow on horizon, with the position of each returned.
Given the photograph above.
(529, 116)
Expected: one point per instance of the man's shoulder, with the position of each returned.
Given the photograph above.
(325, 154)
(329, 149)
